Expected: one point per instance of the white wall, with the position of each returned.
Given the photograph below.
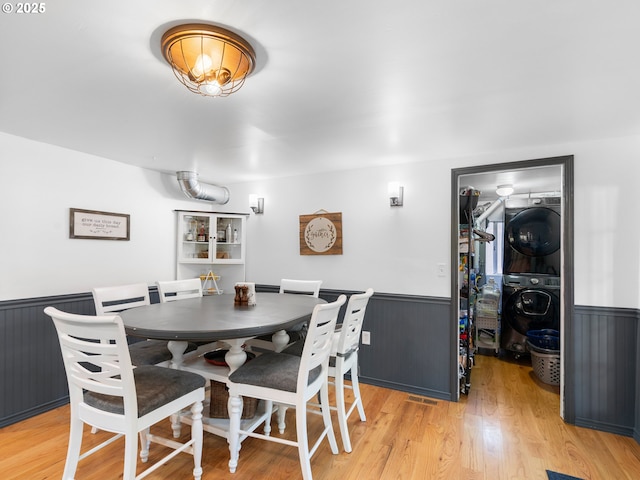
(394, 250)
(40, 183)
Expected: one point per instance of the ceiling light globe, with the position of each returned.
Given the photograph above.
(504, 190)
(211, 89)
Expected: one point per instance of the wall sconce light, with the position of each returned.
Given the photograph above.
(256, 203)
(396, 194)
(504, 190)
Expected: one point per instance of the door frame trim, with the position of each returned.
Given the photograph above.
(567, 407)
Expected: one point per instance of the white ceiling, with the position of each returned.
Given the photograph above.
(339, 84)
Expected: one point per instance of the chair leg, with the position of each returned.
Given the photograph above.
(356, 392)
(303, 441)
(73, 451)
(268, 407)
(130, 455)
(197, 437)
(144, 445)
(326, 417)
(342, 413)
(234, 406)
(281, 416)
(176, 425)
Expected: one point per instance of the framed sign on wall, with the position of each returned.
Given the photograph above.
(321, 233)
(95, 225)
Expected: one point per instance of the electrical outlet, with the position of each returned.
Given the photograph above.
(366, 338)
(442, 269)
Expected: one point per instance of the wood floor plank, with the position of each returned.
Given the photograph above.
(507, 427)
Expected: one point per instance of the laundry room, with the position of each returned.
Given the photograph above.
(509, 269)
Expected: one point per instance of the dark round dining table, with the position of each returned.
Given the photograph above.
(216, 317)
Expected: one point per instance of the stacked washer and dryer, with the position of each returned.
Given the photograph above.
(531, 270)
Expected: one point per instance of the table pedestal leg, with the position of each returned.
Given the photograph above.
(177, 350)
(280, 340)
(236, 356)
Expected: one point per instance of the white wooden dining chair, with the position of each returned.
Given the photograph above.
(343, 360)
(301, 287)
(108, 393)
(114, 299)
(281, 339)
(289, 380)
(172, 290)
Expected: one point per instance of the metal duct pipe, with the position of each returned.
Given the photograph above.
(492, 208)
(193, 189)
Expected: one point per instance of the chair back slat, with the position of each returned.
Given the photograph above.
(95, 355)
(93, 366)
(317, 345)
(301, 287)
(115, 299)
(172, 290)
(348, 338)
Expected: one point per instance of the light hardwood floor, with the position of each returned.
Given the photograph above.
(508, 427)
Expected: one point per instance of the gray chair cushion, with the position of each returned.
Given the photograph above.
(155, 386)
(152, 352)
(272, 370)
(332, 360)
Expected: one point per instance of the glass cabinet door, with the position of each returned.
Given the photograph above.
(229, 239)
(194, 245)
(210, 238)
(211, 244)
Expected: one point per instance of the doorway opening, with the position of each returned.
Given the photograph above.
(548, 178)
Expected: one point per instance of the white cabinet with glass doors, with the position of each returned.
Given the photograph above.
(211, 242)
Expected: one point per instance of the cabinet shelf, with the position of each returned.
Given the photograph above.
(196, 257)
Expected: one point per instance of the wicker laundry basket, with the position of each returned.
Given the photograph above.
(219, 398)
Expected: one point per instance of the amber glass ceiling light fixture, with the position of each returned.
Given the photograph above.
(208, 60)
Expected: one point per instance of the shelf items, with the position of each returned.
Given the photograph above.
(209, 242)
(467, 203)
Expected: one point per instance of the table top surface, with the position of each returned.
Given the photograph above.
(216, 317)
